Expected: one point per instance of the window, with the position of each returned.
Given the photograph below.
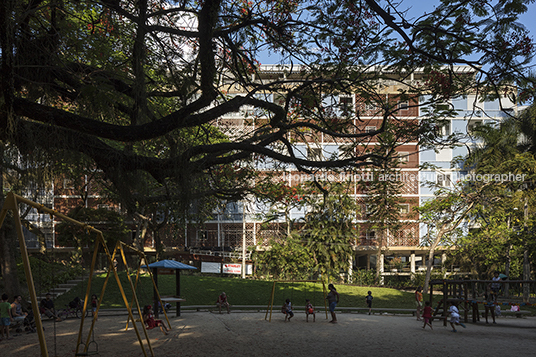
(443, 180)
(403, 156)
(472, 125)
(370, 129)
(346, 104)
(403, 105)
(371, 234)
(444, 129)
(314, 153)
(404, 208)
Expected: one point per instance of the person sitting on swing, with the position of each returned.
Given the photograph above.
(287, 310)
(151, 323)
(309, 310)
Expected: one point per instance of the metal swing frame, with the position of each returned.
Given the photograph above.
(272, 295)
(11, 203)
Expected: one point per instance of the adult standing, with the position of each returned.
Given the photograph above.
(418, 302)
(333, 300)
(495, 286)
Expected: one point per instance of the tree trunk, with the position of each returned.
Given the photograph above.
(8, 261)
(506, 291)
(526, 261)
(141, 230)
(8, 245)
(526, 274)
(431, 260)
(379, 265)
(159, 249)
(446, 228)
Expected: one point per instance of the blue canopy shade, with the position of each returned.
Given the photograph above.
(169, 264)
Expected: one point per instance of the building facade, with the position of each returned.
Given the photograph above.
(243, 223)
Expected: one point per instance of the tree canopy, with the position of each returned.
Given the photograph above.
(136, 86)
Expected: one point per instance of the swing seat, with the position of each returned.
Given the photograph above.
(89, 353)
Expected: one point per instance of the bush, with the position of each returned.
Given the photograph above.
(47, 275)
(364, 277)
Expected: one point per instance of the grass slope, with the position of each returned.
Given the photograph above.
(204, 290)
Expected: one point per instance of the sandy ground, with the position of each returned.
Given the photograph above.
(249, 334)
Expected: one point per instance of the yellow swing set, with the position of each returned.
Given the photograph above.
(11, 203)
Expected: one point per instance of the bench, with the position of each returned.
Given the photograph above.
(518, 314)
(172, 299)
(175, 299)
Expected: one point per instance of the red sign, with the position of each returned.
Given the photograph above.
(232, 268)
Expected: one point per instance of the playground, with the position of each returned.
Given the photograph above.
(249, 334)
(204, 333)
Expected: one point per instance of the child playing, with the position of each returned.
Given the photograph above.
(454, 316)
(151, 322)
(5, 317)
(369, 298)
(309, 310)
(427, 315)
(287, 310)
(94, 303)
(223, 301)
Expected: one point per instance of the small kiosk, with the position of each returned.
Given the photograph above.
(173, 265)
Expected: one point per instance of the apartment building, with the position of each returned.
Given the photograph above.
(242, 223)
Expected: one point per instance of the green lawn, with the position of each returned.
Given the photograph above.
(204, 290)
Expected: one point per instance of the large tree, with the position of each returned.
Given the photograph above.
(503, 240)
(135, 85)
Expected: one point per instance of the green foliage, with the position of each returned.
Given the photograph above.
(48, 274)
(503, 214)
(330, 231)
(288, 259)
(113, 230)
(363, 277)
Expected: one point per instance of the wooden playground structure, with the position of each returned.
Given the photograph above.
(11, 203)
(469, 294)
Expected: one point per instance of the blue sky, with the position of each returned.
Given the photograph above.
(419, 7)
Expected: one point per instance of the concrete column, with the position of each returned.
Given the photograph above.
(412, 262)
(380, 265)
(350, 269)
(443, 268)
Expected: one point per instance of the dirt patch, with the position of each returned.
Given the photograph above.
(249, 334)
